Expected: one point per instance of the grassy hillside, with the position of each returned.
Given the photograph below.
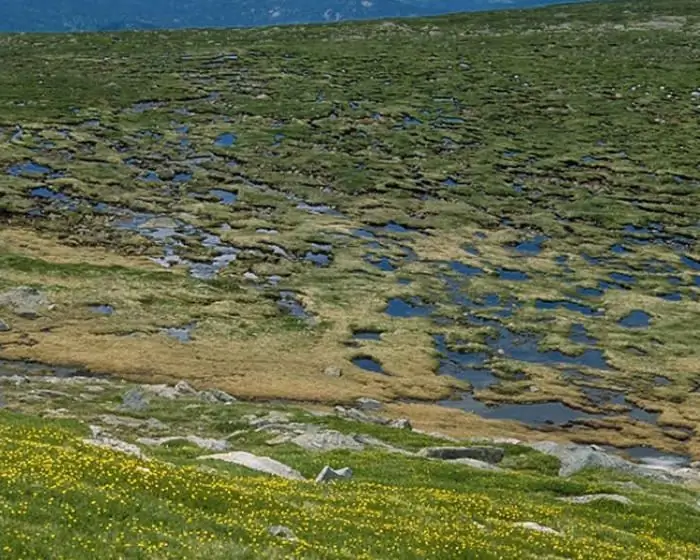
(487, 222)
(63, 498)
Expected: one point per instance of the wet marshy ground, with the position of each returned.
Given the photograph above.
(549, 278)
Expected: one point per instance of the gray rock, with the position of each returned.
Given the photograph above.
(359, 416)
(134, 399)
(326, 440)
(203, 443)
(100, 439)
(485, 454)
(328, 474)
(251, 277)
(256, 463)
(401, 424)
(25, 301)
(282, 532)
(4, 327)
(333, 371)
(271, 418)
(365, 404)
(184, 389)
(481, 465)
(181, 389)
(216, 396)
(575, 458)
(531, 526)
(598, 497)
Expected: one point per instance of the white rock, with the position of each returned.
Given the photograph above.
(256, 463)
(328, 474)
(598, 497)
(531, 526)
(204, 443)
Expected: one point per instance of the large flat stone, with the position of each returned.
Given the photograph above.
(483, 453)
(256, 463)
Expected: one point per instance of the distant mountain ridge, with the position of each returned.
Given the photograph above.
(109, 15)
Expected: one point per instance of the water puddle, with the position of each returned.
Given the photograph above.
(319, 209)
(225, 140)
(225, 197)
(619, 249)
(574, 306)
(368, 364)
(466, 366)
(182, 177)
(512, 275)
(102, 309)
(150, 177)
(409, 120)
(636, 319)
(318, 259)
(414, 307)
(367, 335)
(622, 278)
(465, 269)
(690, 262)
(289, 303)
(531, 246)
(449, 182)
(579, 335)
(143, 106)
(672, 296)
(393, 227)
(533, 414)
(45, 193)
(363, 233)
(589, 292)
(654, 457)
(382, 263)
(32, 169)
(524, 348)
(181, 334)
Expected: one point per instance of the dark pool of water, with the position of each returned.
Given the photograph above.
(368, 364)
(465, 269)
(318, 209)
(32, 169)
(181, 334)
(182, 177)
(566, 304)
(102, 309)
(382, 263)
(413, 307)
(225, 140)
(622, 278)
(319, 259)
(225, 197)
(673, 296)
(531, 246)
(393, 227)
(589, 292)
(690, 262)
(534, 414)
(636, 319)
(367, 335)
(579, 335)
(512, 275)
(289, 303)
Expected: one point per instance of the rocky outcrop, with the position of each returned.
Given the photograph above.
(328, 474)
(256, 463)
(485, 454)
(25, 302)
